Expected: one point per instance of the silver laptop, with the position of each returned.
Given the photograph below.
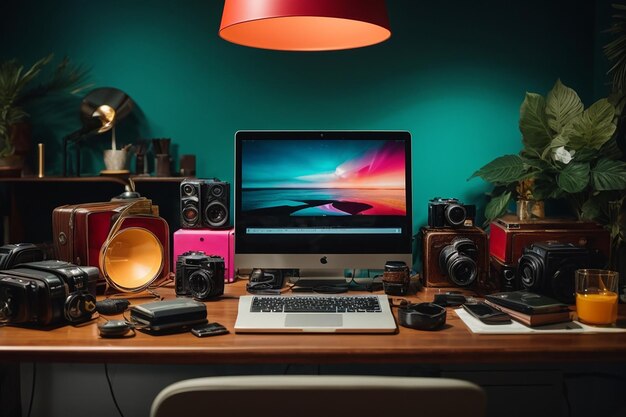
(314, 314)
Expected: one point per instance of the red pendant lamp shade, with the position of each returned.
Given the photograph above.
(305, 25)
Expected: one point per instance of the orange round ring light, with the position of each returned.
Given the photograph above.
(305, 25)
(132, 259)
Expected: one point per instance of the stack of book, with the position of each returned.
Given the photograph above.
(529, 308)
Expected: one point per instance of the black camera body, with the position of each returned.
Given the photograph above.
(19, 253)
(548, 268)
(47, 293)
(204, 203)
(450, 212)
(199, 275)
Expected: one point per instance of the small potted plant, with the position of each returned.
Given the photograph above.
(568, 153)
(18, 90)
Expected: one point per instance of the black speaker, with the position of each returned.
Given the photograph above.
(191, 192)
(216, 204)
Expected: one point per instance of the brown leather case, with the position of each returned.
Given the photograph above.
(69, 224)
(79, 230)
(435, 239)
(508, 236)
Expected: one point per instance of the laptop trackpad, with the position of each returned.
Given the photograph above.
(313, 320)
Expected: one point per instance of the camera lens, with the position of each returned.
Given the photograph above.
(189, 190)
(455, 214)
(457, 261)
(200, 284)
(462, 270)
(530, 270)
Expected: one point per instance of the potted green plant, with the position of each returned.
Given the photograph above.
(18, 90)
(569, 152)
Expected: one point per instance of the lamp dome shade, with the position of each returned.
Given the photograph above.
(305, 25)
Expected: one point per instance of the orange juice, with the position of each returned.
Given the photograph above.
(597, 308)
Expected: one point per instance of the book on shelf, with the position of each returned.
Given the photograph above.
(534, 319)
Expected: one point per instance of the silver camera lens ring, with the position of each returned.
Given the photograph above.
(450, 214)
(530, 271)
(462, 261)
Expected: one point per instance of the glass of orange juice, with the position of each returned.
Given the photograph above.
(596, 296)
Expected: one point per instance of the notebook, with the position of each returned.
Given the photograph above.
(314, 314)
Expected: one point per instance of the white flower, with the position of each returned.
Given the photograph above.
(560, 154)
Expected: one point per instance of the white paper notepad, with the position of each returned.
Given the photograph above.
(477, 326)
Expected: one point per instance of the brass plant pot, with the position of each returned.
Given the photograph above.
(11, 166)
(530, 209)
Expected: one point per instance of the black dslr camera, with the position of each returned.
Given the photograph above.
(549, 268)
(199, 275)
(47, 293)
(450, 212)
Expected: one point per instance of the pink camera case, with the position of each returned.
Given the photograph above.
(211, 242)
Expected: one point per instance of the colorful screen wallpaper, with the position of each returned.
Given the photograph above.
(323, 177)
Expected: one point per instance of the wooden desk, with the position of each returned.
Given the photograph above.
(454, 344)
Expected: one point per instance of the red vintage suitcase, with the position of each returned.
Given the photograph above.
(508, 236)
(80, 230)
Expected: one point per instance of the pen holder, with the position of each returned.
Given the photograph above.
(162, 165)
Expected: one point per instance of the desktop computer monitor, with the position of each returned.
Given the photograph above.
(322, 202)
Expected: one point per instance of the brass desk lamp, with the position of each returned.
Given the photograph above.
(100, 111)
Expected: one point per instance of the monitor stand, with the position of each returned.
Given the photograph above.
(322, 279)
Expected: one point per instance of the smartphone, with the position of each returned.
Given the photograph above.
(209, 329)
(486, 313)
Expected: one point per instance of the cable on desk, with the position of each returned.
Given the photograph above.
(106, 373)
(32, 390)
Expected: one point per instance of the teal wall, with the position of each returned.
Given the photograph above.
(454, 74)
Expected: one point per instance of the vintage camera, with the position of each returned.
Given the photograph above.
(204, 203)
(509, 236)
(450, 212)
(47, 293)
(216, 242)
(199, 275)
(456, 258)
(549, 268)
(19, 253)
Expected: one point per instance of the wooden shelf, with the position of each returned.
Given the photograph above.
(121, 179)
(28, 222)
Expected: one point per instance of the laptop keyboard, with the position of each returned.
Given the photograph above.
(316, 304)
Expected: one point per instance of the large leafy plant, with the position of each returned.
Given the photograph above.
(569, 152)
(18, 90)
